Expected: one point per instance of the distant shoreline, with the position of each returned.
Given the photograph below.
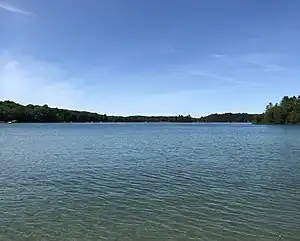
(286, 112)
(132, 122)
(15, 112)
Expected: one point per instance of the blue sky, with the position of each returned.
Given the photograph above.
(158, 57)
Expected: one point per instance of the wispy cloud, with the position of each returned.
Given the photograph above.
(266, 61)
(29, 81)
(217, 77)
(218, 55)
(269, 66)
(10, 8)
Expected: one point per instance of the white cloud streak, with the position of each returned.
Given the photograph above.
(268, 62)
(213, 76)
(29, 81)
(13, 9)
(218, 56)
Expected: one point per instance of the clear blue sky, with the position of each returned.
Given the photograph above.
(158, 57)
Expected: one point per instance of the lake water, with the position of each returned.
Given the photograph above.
(149, 182)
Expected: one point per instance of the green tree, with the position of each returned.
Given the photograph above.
(288, 111)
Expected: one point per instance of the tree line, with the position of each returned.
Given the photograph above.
(287, 111)
(228, 117)
(11, 111)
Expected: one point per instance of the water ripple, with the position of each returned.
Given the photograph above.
(149, 182)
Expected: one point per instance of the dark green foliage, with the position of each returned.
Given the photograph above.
(258, 118)
(286, 112)
(10, 111)
(33, 113)
(228, 117)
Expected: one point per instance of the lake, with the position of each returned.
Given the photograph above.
(149, 182)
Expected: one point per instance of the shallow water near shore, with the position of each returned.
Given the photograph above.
(149, 182)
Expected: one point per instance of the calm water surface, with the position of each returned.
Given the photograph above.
(149, 182)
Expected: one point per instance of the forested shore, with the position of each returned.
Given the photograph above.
(14, 112)
(287, 111)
